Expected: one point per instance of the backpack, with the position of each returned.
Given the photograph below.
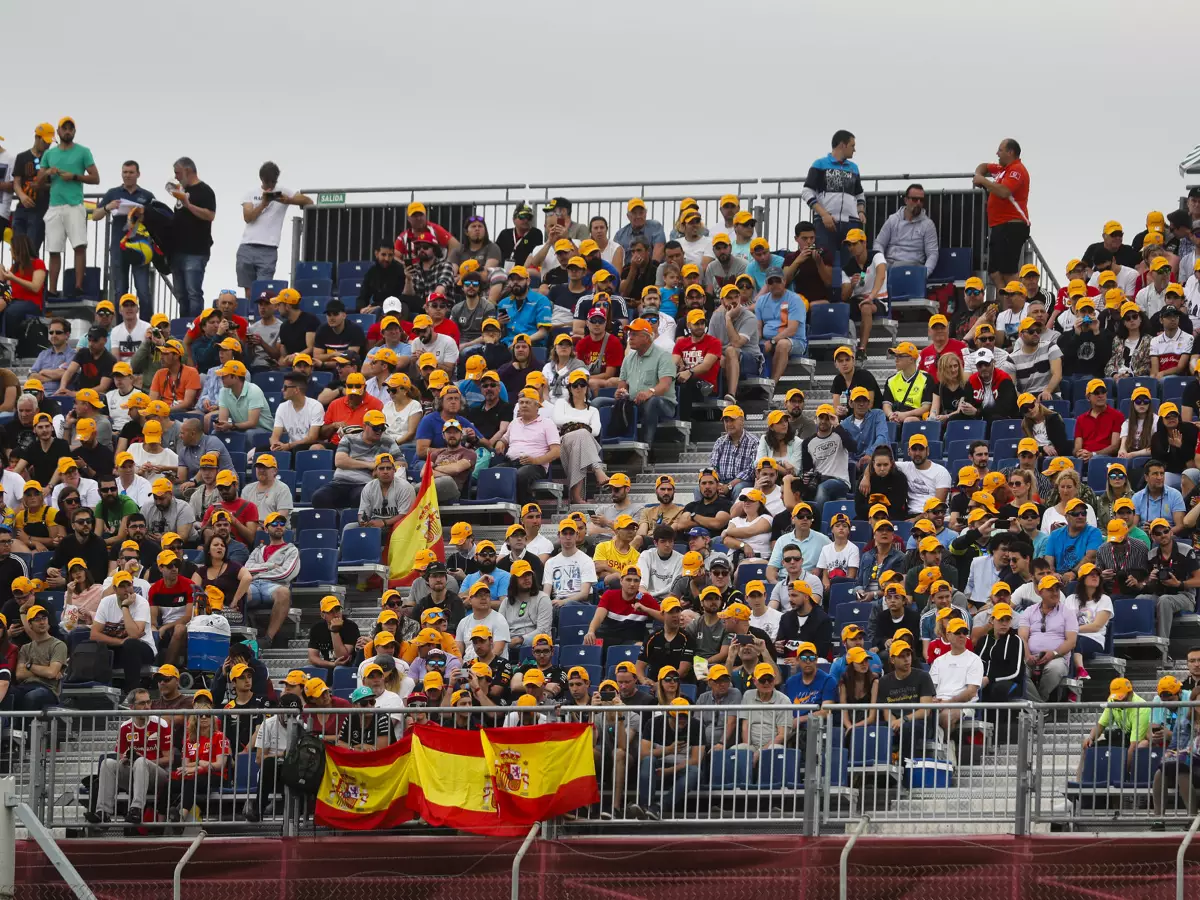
(32, 337)
(303, 765)
(90, 662)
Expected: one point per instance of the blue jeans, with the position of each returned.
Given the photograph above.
(651, 412)
(18, 310)
(674, 787)
(832, 241)
(32, 224)
(829, 489)
(119, 271)
(188, 272)
(32, 697)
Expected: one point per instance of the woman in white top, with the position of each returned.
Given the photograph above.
(390, 699)
(841, 555)
(1067, 485)
(579, 428)
(1139, 427)
(403, 411)
(781, 443)
(1094, 609)
(562, 363)
(750, 532)
(610, 251)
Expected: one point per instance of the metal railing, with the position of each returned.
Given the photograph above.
(793, 768)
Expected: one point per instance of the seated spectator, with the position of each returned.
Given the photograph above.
(1042, 424)
(385, 500)
(803, 621)
(782, 316)
(1158, 499)
(41, 662)
(1037, 364)
(332, 640)
(273, 566)
(1095, 610)
(957, 676)
(529, 445)
(123, 623)
(1127, 727)
(667, 776)
(1130, 353)
(1172, 579)
(1174, 443)
(242, 405)
(206, 753)
(907, 395)
(631, 611)
(354, 462)
(893, 616)
(905, 684)
(1068, 547)
(141, 765)
(1049, 630)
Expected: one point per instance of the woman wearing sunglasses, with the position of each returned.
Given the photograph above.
(1116, 487)
(1068, 487)
(1137, 431)
(1131, 346)
(1043, 425)
(1174, 442)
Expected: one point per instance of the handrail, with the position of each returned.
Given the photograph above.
(844, 859)
(177, 876)
(1181, 854)
(516, 865)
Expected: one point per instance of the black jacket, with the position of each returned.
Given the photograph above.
(380, 283)
(818, 629)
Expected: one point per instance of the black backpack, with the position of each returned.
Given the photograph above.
(303, 765)
(32, 337)
(91, 662)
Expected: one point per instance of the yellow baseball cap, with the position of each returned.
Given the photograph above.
(904, 348)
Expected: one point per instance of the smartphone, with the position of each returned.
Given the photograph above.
(743, 639)
(608, 695)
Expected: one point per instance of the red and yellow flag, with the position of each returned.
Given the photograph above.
(365, 789)
(542, 771)
(421, 529)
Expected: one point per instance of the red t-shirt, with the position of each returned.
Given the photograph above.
(693, 352)
(588, 350)
(328, 723)
(242, 510)
(938, 646)
(1060, 302)
(240, 323)
(20, 293)
(1015, 177)
(404, 239)
(339, 410)
(175, 599)
(927, 361)
(152, 741)
(205, 748)
(1096, 432)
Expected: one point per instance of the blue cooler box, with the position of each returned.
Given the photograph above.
(206, 649)
(929, 773)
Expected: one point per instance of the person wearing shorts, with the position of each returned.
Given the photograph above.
(1007, 184)
(784, 337)
(71, 166)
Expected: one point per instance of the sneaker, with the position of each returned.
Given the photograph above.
(729, 398)
(95, 817)
(1158, 826)
(608, 816)
(250, 811)
(636, 811)
(133, 816)
(860, 355)
(652, 813)
(1082, 674)
(173, 814)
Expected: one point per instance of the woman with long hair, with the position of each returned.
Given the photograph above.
(205, 755)
(1020, 491)
(954, 398)
(1045, 426)
(477, 245)
(1094, 609)
(1116, 486)
(82, 598)
(527, 608)
(610, 251)
(231, 577)
(1067, 485)
(780, 442)
(1131, 346)
(1181, 764)
(1174, 442)
(882, 478)
(559, 366)
(858, 685)
(513, 374)
(1137, 430)
(666, 686)
(403, 411)
(578, 425)
(26, 279)
(750, 533)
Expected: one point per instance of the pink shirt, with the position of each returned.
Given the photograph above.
(530, 438)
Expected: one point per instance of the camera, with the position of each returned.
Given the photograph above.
(743, 639)
(608, 695)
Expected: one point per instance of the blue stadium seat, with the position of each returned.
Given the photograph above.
(961, 430)
(780, 767)
(319, 380)
(1097, 472)
(271, 286)
(273, 400)
(179, 328)
(1102, 767)
(318, 566)
(1062, 407)
(314, 287)
(362, 546)
(240, 459)
(234, 440)
(308, 519)
(313, 270)
(318, 537)
(1001, 447)
(748, 572)
(496, 486)
(731, 769)
(903, 529)
(581, 655)
(315, 304)
(349, 517)
(853, 613)
(66, 404)
(832, 508)
(828, 322)
(572, 636)
(575, 614)
(356, 268)
(343, 681)
(270, 382)
(362, 320)
(1007, 428)
(1172, 387)
(608, 435)
(1069, 427)
(310, 481)
(930, 428)
(840, 592)
(906, 282)
(317, 672)
(689, 691)
(288, 477)
(1133, 618)
(41, 560)
(348, 288)
(1142, 768)
(870, 746)
(245, 774)
(313, 460)
(860, 530)
(953, 265)
(1126, 387)
(621, 653)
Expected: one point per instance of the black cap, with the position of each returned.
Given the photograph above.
(557, 203)
(96, 333)
(1169, 310)
(335, 306)
(523, 209)
(1194, 192)
(436, 568)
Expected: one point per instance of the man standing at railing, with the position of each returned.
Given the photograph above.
(117, 202)
(29, 184)
(1007, 210)
(264, 211)
(833, 191)
(70, 167)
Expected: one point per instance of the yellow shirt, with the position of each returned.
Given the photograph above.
(607, 553)
(46, 516)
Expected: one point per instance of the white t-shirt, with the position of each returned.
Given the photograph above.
(1173, 347)
(1052, 517)
(8, 160)
(141, 456)
(141, 587)
(1125, 427)
(1087, 615)
(539, 546)
(89, 493)
(268, 227)
(123, 341)
(951, 674)
(768, 621)
(443, 347)
(295, 424)
(138, 490)
(566, 575)
(14, 488)
(923, 483)
(780, 597)
(867, 284)
(695, 251)
(1126, 281)
(494, 621)
(760, 544)
(1009, 322)
(109, 611)
(397, 419)
(116, 413)
(832, 558)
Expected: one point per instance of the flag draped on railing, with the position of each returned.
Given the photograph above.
(420, 529)
(497, 781)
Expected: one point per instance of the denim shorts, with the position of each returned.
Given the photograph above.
(259, 595)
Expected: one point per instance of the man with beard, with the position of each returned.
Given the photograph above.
(354, 462)
(452, 464)
(808, 269)
(386, 498)
(40, 458)
(424, 272)
(384, 279)
(972, 311)
(696, 355)
(725, 267)
(427, 340)
(298, 328)
(640, 270)
(523, 238)
(665, 512)
(338, 337)
(710, 510)
(522, 312)
(926, 479)
(244, 514)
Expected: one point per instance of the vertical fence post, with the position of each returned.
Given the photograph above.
(1180, 857)
(1024, 779)
(844, 860)
(812, 777)
(516, 866)
(297, 242)
(177, 875)
(39, 760)
(8, 838)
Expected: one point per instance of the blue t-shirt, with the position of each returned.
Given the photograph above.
(138, 195)
(525, 319)
(473, 394)
(1068, 552)
(430, 428)
(838, 668)
(668, 305)
(1164, 507)
(499, 588)
(759, 274)
(822, 689)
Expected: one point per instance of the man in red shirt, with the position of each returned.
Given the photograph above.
(1007, 210)
(598, 338)
(624, 612)
(143, 754)
(418, 223)
(243, 514)
(350, 408)
(1098, 431)
(697, 355)
(940, 342)
(226, 302)
(171, 595)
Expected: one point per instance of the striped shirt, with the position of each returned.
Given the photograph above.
(734, 462)
(1033, 369)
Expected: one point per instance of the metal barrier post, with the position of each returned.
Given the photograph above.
(177, 876)
(1179, 857)
(8, 838)
(844, 860)
(291, 808)
(39, 760)
(1024, 785)
(516, 866)
(297, 245)
(812, 776)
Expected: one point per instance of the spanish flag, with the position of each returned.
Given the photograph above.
(365, 789)
(542, 771)
(421, 529)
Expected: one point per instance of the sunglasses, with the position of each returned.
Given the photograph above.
(58, 332)
(1116, 476)
(471, 219)
(1077, 512)
(1142, 401)
(70, 500)
(470, 282)
(804, 515)
(670, 678)
(985, 339)
(1030, 516)
(1132, 317)
(807, 657)
(788, 559)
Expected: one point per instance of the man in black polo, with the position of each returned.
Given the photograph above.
(82, 542)
(491, 418)
(669, 646)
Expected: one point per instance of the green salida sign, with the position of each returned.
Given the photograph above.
(331, 199)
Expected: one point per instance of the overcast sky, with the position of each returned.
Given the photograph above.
(365, 93)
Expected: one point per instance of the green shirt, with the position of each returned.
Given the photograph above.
(642, 372)
(239, 407)
(74, 159)
(112, 515)
(1133, 722)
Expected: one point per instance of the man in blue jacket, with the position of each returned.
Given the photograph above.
(834, 192)
(866, 425)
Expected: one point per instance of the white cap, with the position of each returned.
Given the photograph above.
(393, 305)
(984, 355)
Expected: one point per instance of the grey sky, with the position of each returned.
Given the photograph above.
(368, 93)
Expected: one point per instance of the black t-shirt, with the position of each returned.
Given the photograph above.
(94, 552)
(918, 684)
(18, 436)
(555, 277)
(663, 728)
(645, 278)
(99, 459)
(1156, 325)
(321, 640)
(363, 726)
(1191, 397)
(239, 729)
(379, 283)
(351, 340)
(562, 296)
(466, 563)
(487, 421)
(658, 651)
(807, 282)
(26, 166)
(860, 378)
(42, 464)
(293, 335)
(554, 675)
(451, 605)
(192, 234)
(91, 370)
(1125, 255)
(1182, 567)
(11, 568)
(518, 249)
(701, 507)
